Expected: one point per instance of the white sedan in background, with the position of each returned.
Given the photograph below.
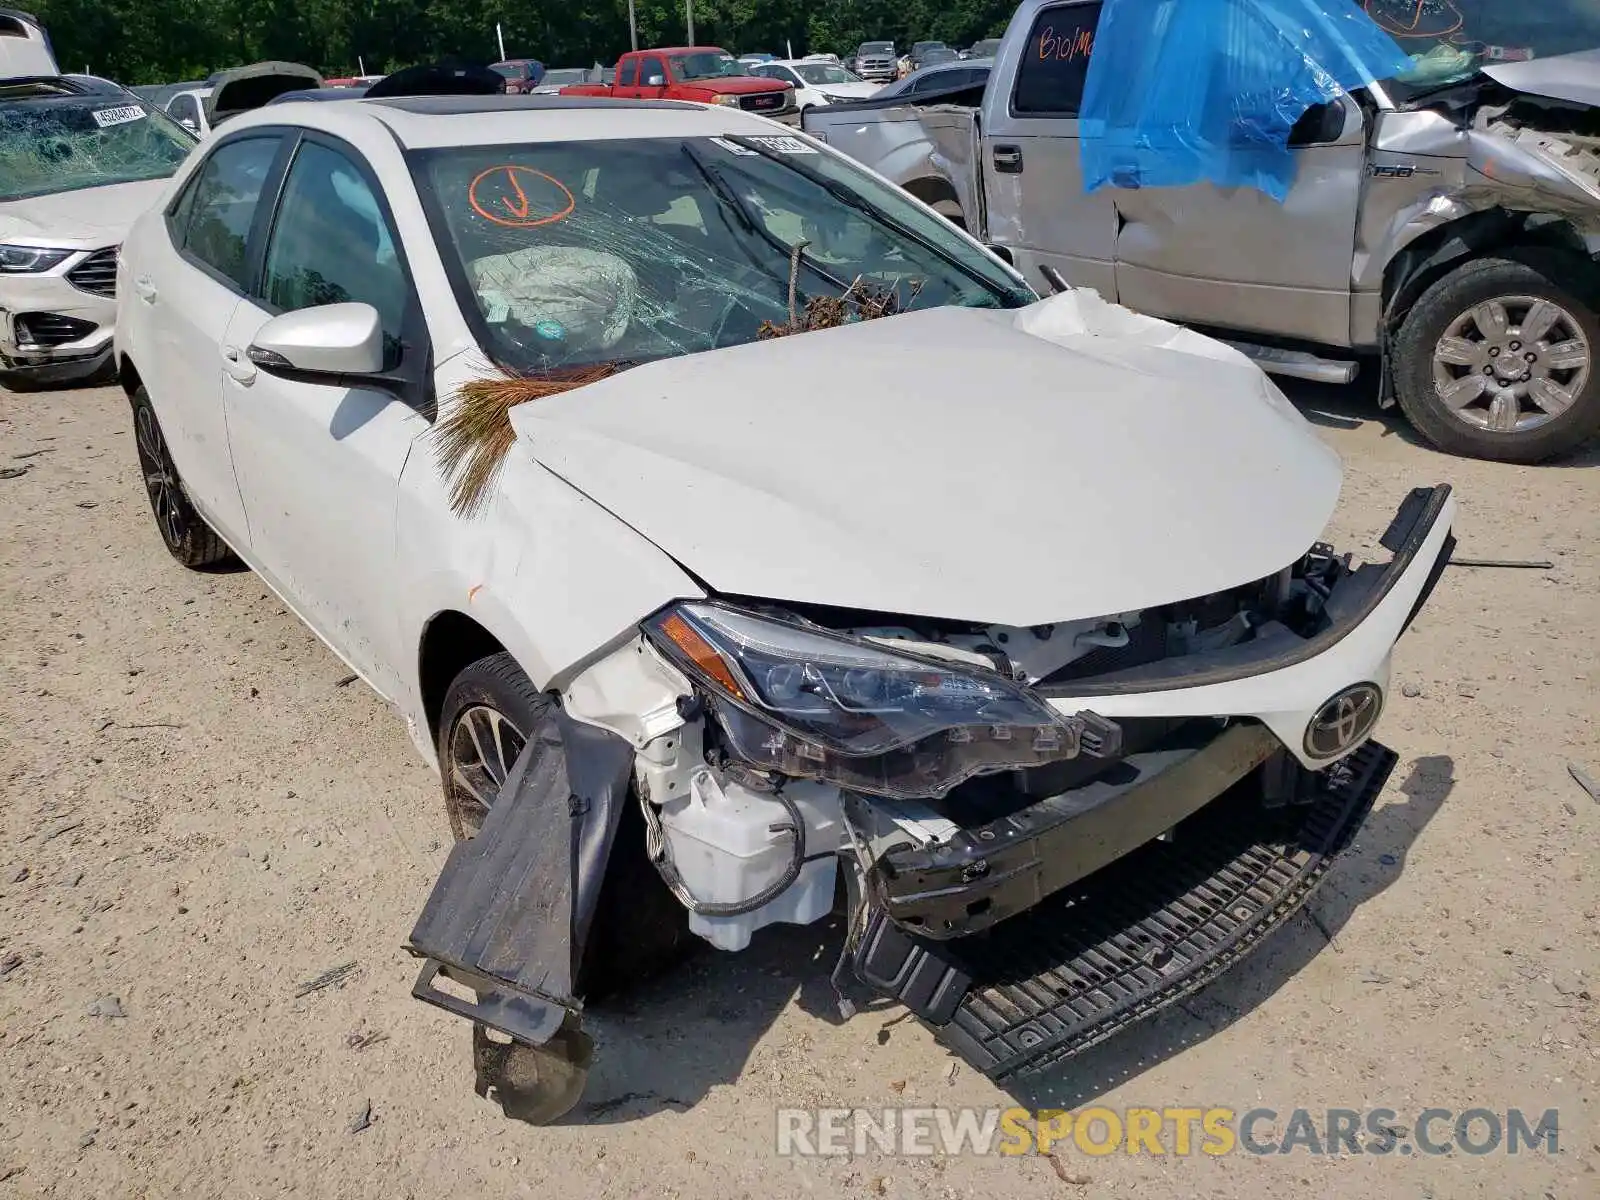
(816, 82)
(1024, 627)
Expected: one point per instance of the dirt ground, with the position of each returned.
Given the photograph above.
(199, 817)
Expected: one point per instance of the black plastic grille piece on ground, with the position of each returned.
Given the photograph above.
(1151, 928)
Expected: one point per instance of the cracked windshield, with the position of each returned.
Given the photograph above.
(1449, 40)
(61, 144)
(576, 254)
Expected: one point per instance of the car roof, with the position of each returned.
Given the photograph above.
(45, 87)
(319, 95)
(429, 122)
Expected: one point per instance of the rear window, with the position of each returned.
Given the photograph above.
(67, 143)
(1055, 61)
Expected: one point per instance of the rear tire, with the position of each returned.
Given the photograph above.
(184, 531)
(1450, 358)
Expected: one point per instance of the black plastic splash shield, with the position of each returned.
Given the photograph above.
(1130, 940)
(511, 911)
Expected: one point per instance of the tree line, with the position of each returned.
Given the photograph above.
(161, 41)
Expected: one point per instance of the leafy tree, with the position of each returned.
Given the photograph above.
(160, 41)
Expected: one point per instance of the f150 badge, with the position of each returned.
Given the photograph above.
(1399, 170)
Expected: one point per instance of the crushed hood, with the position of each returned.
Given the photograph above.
(1573, 77)
(1063, 461)
(91, 217)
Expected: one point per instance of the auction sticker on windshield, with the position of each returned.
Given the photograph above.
(733, 147)
(780, 144)
(121, 115)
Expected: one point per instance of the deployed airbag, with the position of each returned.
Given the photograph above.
(564, 293)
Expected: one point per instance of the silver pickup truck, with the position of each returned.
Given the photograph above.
(1445, 224)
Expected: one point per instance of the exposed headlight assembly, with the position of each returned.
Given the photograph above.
(726, 101)
(30, 260)
(803, 701)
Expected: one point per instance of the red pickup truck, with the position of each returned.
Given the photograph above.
(704, 73)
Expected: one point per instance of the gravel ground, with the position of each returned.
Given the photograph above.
(198, 817)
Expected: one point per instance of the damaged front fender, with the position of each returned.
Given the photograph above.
(512, 911)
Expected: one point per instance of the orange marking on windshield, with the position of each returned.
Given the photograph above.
(500, 189)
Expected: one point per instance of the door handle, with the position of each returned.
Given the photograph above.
(145, 289)
(238, 367)
(1008, 160)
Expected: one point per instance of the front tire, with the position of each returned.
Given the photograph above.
(489, 712)
(1499, 360)
(187, 536)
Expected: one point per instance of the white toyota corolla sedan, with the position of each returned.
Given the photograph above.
(741, 539)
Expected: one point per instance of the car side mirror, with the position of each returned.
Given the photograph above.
(656, 81)
(328, 341)
(190, 124)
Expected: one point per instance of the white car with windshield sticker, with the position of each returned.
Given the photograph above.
(1023, 639)
(76, 168)
(817, 81)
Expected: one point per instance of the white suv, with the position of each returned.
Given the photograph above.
(76, 167)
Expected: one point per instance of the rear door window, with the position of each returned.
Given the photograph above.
(1055, 61)
(212, 221)
(629, 73)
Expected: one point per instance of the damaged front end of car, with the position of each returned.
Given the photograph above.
(1040, 835)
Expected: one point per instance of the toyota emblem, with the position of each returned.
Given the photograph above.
(1344, 721)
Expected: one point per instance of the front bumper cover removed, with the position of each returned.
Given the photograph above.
(1128, 940)
(1028, 937)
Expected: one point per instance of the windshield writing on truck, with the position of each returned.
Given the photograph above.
(64, 144)
(577, 254)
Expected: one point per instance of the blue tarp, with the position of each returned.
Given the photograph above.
(1185, 91)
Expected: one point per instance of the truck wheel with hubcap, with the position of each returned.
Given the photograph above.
(187, 536)
(1500, 359)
